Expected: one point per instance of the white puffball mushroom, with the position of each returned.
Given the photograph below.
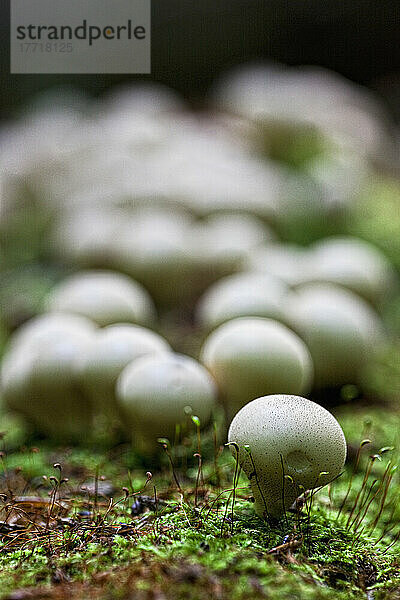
(85, 235)
(155, 247)
(346, 261)
(212, 182)
(354, 264)
(252, 356)
(289, 431)
(308, 99)
(241, 295)
(39, 375)
(222, 241)
(151, 99)
(290, 263)
(156, 393)
(103, 296)
(340, 329)
(227, 237)
(40, 330)
(15, 367)
(109, 352)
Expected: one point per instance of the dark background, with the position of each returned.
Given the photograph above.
(194, 40)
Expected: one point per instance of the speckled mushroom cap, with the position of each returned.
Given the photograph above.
(110, 350)
(158, 392)
(340, 329)
(306, 436)
(251, 356)
(104, 296)
(241, 295)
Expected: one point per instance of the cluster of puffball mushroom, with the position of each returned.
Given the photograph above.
(90, 354)
(176, 200)
(62, 367)
(79, 360)
(77, 356)
(200, 217)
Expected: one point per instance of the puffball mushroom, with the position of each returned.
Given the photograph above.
(299, 110)
(142, 98)
(354, 264)
(103, 296)
(286, 431)
(241, 295)
(211, 181)
(39, 376)
(253, 356)
(37, 332)
(224, 239)
(110, 350)
(290, 263)
(154, 246)
(340, 329)
(156, 393)
(85, 235)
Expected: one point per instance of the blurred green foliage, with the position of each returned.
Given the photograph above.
(376, 217)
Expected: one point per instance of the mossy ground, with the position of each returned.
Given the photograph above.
(80, 539)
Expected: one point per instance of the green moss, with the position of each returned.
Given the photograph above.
(380, 424)
(189, 551)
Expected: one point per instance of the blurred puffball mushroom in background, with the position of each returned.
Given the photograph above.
(157, 393)
(86, 236)
(341, 330)
(40, 379)
(124, 101)
(105, 297)
(110, 350)
(241, 295)
(251, 356)
(356, 265)
(305, 106)
(343, 260)
(292, 264)
(286, 445)
(224, 240)
(153, 247)
(36, 332)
